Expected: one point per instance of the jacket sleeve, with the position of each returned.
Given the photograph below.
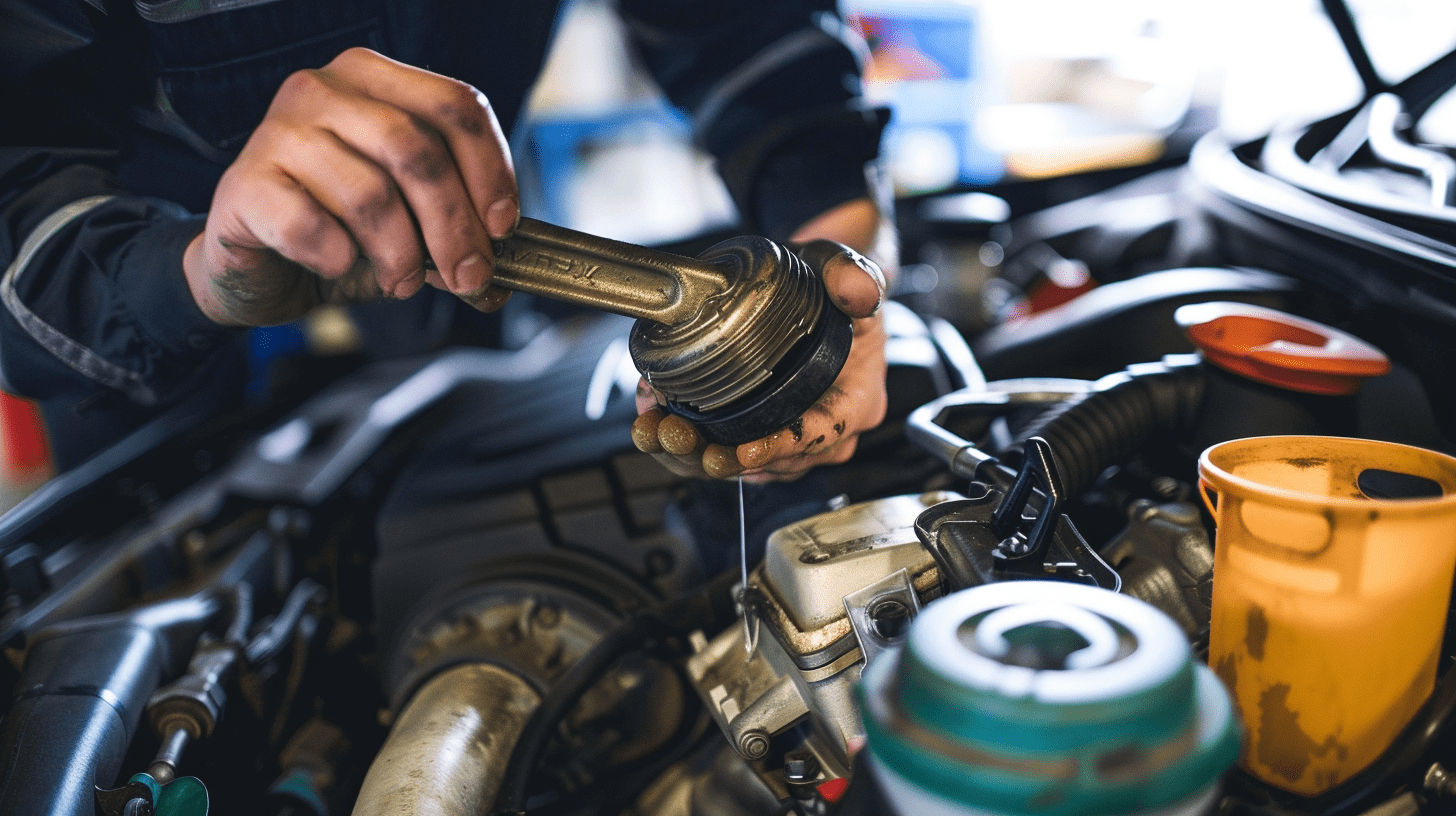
(93, 303)
(93, 291)
(773, 88)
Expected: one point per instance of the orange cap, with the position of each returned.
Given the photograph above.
(1270, 346)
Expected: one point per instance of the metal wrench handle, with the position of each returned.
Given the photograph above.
(563, 264)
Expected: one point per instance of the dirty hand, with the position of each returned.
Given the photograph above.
(829, 431)
(360, 173)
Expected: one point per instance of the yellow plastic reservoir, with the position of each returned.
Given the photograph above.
(1332, 577)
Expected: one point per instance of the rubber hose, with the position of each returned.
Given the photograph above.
(702, 609)
(1118, 417)
(558, 702)
(242, 609)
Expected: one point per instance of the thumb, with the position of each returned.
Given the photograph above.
(855, 283)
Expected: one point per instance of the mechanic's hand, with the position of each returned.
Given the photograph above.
(366, 178)
(829, 431)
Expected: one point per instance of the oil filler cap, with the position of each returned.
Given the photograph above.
(1045, 697)
(1279, 349)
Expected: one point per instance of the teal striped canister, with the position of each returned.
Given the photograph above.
(1044, 697)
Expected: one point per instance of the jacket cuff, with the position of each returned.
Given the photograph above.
(156, 293)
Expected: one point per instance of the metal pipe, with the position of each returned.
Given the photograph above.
(169, 756)
(447, 753)
(924, 430)
(266, 644)
(1438, 168)
(85, 683)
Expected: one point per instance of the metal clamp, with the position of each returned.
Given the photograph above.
(881, 612)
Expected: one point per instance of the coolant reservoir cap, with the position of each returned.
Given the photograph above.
(1050, 698)
(1279, 349)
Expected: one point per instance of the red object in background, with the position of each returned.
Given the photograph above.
(25, 448)
(1065, 281)
(833, 789)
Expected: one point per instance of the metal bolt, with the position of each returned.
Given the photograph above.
(1440, 781)
(753, 744)
(1142, 510)
(162, 772)
(801, 768)
(889, 617)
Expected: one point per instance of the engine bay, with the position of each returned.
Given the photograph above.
(447, 584)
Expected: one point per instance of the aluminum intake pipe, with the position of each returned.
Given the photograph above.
(741, 340)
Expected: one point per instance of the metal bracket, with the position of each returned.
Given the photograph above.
(881, 612)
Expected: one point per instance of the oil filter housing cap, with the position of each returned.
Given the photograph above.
(755, 356)
(1046, 697)
(741, 340)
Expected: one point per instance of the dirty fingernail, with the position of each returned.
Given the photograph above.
(678, 435)
(502, 217)
(472, 273)
(644, 431)
(720, 462)
(856, 284)
(487, 298)
(756, 454)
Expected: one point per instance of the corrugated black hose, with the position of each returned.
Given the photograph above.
(1122, 413)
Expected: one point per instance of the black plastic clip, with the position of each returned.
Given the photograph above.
(1038, 470)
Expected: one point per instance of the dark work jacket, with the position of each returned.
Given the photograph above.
(117, 117)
